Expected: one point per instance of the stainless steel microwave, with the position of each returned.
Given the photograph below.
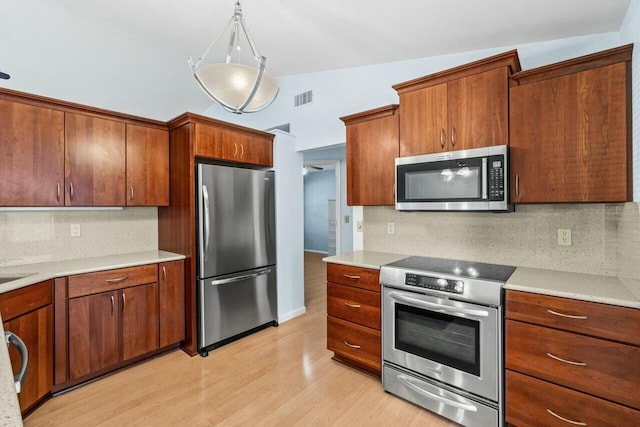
(465, 180)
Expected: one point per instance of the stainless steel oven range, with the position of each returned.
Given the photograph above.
(442, 328)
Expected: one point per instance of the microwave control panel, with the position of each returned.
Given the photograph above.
(496, 178)
(437, 283)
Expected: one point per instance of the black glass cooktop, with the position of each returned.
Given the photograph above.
(476, 270)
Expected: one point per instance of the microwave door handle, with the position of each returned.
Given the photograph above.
(461, 405)
(439, 307)
(485, 178)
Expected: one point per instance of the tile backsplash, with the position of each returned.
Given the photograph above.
(40, 236)
(527, 237)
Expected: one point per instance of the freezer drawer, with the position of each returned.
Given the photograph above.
(233, 305)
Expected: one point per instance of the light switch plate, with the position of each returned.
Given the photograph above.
(391, 227)
(75, 230)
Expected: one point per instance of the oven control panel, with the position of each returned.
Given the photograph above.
(437, 283)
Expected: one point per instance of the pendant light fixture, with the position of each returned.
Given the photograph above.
(238, 87)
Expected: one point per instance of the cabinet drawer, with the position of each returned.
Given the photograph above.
(353, 304)
(359, 277)
(599, 367)
(599, 320)
(529, 400)
(104, 281)
(354, 342)
(23, 300)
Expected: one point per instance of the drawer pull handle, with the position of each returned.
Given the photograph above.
(113, 304)
(164, 273)
(118, 280)
(348, 276)
(575, 423)
(351, 305)
(559, 359)
(351, 345)
(555, 313)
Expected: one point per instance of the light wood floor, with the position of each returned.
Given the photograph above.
(277, 377)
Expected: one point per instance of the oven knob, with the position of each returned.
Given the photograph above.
(459, 287)
(442, 282)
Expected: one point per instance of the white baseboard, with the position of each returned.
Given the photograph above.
(290, 315)
(317, 252)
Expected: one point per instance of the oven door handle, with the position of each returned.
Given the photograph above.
(461, 405)
(439, 307)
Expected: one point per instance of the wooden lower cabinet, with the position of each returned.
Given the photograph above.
(93, 333)
(533, 402)
(112, 327)
(353, 317)
(28, 313)
(570, 362)
(139, 320)
(171, 297)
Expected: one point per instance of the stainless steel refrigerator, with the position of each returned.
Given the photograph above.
(236, 253)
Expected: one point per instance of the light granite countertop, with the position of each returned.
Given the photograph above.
(366, 259)
(613, 290)
(33, 273)
(9, 406)
(624, 292)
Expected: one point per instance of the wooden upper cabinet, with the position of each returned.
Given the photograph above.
(32, 159)
(147, 166)
(457, 109)
(94, 161)
(570, 130)
(372, 147)
(224, 141)
(478, 110)
(423, 126)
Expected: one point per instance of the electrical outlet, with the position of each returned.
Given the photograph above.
(391, 228)
(75, 230)
(564, 236)
(359, 226)
(346, 219)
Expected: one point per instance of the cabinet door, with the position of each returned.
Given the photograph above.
(147, 166)
(32, 160)
(372, 147)
(257, 151)
(94, 161)
(569, 138)
(423, 121)
(36, 330)
(171, 301)
(478, 110)
(93, 333)
(139, 320)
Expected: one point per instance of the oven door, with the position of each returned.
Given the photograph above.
(454, 342)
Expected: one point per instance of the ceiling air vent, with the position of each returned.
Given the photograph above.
(303, 98)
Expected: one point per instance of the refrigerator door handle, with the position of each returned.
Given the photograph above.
(239, 278)
(207, 231)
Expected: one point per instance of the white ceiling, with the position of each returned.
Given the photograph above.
(302, 36)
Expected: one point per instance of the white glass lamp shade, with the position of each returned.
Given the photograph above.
(231, 84)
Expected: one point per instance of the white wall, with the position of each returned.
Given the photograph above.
(287, 164)
(54, 50)
(337, 153)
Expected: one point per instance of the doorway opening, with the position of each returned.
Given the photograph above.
(322, 209)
